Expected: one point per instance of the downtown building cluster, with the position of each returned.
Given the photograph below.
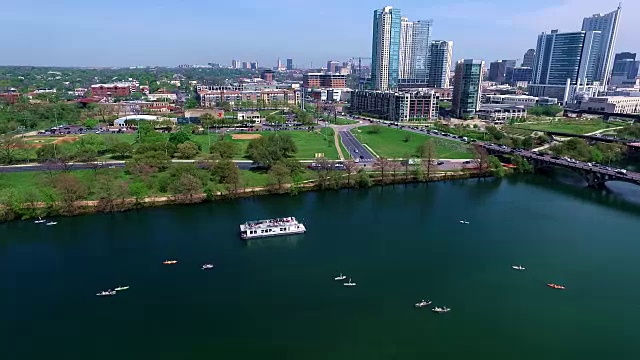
(406, 68)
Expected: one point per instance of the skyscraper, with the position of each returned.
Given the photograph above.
(406, 48)
(529, 58)
(625, 69)
(608, 25)
(501, 71)
(466, 88)
(385, 54)
(440, 55)
(235, 64)
(562, 56)
(415, 40)
(289, 64)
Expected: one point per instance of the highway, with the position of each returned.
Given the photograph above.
(354, 147)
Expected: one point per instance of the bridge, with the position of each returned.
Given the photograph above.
(594, 175)
(605, 115)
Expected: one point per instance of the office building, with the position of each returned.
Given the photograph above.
(501, 71)
(267, 75)
(235, 64)
(324, 80)
(562, 56)
(396, 106)
(529, 58)
(521, 75)
(332, 66)
(385, 52)
(289, 64)
(613, 104)
(212, 97)
(625, 69)
(415, 39)
(114, 90)
(254, 65)
(440, 55)
(607, 25)
(466, 88)
(519, 100)
(501, 113)
(245, 65)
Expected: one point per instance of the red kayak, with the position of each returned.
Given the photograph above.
(554, 286)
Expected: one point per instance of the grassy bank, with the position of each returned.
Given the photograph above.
(395, 143)
(23, 207)
(568, 126)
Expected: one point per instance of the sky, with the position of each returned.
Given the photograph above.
(169, 33)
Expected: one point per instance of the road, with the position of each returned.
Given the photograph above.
(355, 148)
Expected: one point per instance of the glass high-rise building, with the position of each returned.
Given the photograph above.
(415, 39)
(440, 55)
(625, 69)
(385, 50)
(607, 24)
(466, 88)
(562, 56)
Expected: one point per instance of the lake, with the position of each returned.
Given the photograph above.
(275, 298)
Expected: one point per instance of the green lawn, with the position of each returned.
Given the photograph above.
(308, 143)
(568, 126)
(391, 143)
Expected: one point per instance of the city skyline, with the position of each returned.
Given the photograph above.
(86, 43)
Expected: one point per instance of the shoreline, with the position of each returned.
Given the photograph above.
(26, 211)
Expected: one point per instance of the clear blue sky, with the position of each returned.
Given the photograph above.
(145, 32)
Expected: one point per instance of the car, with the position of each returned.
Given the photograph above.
(355, 151)
(440, 163)
(466, 162)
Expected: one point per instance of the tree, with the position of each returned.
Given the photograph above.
(224, 149)
(91, 123)
(187, 150)
(522, 165)
(495, 166)
(10, 148)
(406, 138)
(394, 167)
(279, 175)
(481, 159)
(350, 168)
(109, 189)
(148, 163)
(427, 152)
(225, 172)
(323, 172)
(364, 180)
(382, 165)
(186, 187)
(268, 150)
(139, 191)
(121, 149)
(191, 103)
(70, 189)
(179, 137)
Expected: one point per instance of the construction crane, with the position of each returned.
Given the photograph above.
(360, 77)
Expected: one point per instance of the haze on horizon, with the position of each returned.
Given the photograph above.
(145, 32)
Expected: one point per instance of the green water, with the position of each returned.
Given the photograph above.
(276, 298)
